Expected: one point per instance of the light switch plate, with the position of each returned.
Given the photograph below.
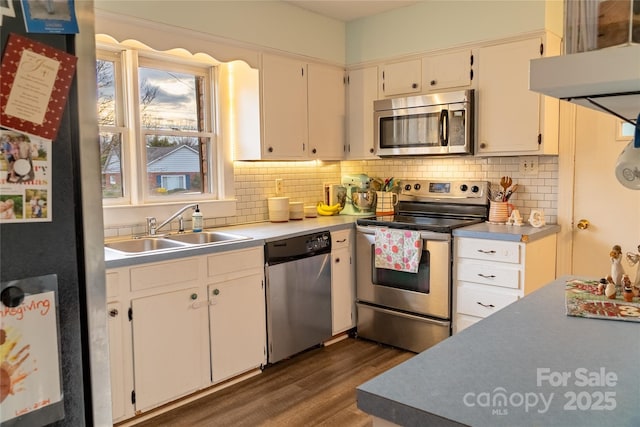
(529, 165)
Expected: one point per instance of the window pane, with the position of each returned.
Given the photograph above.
(111, 164)
(174, 164)
(169, 100)
(105, 72)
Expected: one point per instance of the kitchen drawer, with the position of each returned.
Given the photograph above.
(494, 274)
(463, 321)
(490, 250)
(481, 301)
(166, 273)
(112, 284)
(340, 239)
(243, 260)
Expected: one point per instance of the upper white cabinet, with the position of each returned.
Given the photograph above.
(512, 120)
(448, 70)
(362, 90)
(284, 108)
(327, 109)
(400, 78)
(302, 112)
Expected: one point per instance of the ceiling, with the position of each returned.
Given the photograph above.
(349, 10)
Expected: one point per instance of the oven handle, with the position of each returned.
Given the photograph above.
(406, 315)
(424, 235)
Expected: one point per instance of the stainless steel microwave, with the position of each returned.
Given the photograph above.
(435, 124)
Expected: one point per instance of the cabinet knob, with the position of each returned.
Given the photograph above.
(314, 151)
(483, 145)
(113, 312)
(371, 150)
(583, 224)
(194, 296)
(270, 149)
(414, 85)
(433, 82)
(216, 291)
(337, 260)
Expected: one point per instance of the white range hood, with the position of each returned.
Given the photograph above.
(608, 77)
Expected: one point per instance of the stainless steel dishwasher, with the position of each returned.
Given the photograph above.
(298, 290)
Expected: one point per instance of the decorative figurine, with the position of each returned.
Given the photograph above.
(536, 218)
(627, 292)
(616, 265)
(515, 218)
(610, 290)
(634, 259)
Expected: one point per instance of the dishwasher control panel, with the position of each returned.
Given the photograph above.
(298, 247)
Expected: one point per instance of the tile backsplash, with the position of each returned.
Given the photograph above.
(303, 181)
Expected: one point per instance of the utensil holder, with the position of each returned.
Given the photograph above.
(386, 202)
(498, 212)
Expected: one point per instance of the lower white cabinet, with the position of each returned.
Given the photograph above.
(343, 293)
(491, 274)
(180, 326)
(170, 346)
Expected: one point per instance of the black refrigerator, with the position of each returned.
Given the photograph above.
(55, 267)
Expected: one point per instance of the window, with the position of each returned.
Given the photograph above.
(156, 125)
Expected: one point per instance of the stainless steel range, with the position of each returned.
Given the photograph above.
(413, 310)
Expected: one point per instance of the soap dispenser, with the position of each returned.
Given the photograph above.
(196, 220)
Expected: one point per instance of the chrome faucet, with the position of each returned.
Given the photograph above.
(153, 228)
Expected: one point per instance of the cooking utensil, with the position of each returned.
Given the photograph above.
(511, 190)
(505, 182)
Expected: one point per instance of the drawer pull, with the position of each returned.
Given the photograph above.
(486, 305)
(482, 251)
(490, 276)
(341, 241)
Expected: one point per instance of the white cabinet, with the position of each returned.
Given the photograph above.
(237, 322)
(400, 78)
(327, 111)
(511, 119)
(170, 346)
(284, 108)
(179, 326)
(343, 291)
(362, 90)
(447, 70)
(303, 112)
(491, 274)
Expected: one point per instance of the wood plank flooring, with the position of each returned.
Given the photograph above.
(314, 388)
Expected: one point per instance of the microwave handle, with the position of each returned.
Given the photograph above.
(444, 128)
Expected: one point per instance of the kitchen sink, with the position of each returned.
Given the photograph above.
(206, 237)
(145, 245)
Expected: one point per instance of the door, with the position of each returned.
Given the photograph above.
(170, 346)
(237, 325)
(612, 211)
(362, 91)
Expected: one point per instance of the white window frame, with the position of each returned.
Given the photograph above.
(128, 123)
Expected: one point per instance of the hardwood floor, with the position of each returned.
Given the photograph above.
(316, 388)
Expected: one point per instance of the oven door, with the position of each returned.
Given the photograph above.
(427, 292)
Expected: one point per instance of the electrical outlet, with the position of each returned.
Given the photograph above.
(529, 165)
(279, 187)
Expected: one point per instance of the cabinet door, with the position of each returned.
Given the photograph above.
(284, 108)
(447, 71)
(401, 78)
(326, 94)
(342, 290)
(508, 112)
(238, 326)
(170, 346)
(116, 359)
(362, 87)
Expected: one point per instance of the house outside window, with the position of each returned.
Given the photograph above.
(156, 127)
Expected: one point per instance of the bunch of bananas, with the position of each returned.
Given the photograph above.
(326, 210)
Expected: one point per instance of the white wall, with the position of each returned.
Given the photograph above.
(269, 24)
(437, 24)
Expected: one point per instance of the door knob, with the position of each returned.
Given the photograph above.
(583, 224)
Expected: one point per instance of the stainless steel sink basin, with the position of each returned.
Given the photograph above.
(206, 237)
(145, 245)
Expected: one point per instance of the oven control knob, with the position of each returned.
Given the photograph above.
(475, 189)
(407, 187)
(417, 186)
(464, 187)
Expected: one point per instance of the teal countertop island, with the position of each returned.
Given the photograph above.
(529, 364)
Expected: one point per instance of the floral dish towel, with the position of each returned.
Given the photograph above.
(398, 249)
